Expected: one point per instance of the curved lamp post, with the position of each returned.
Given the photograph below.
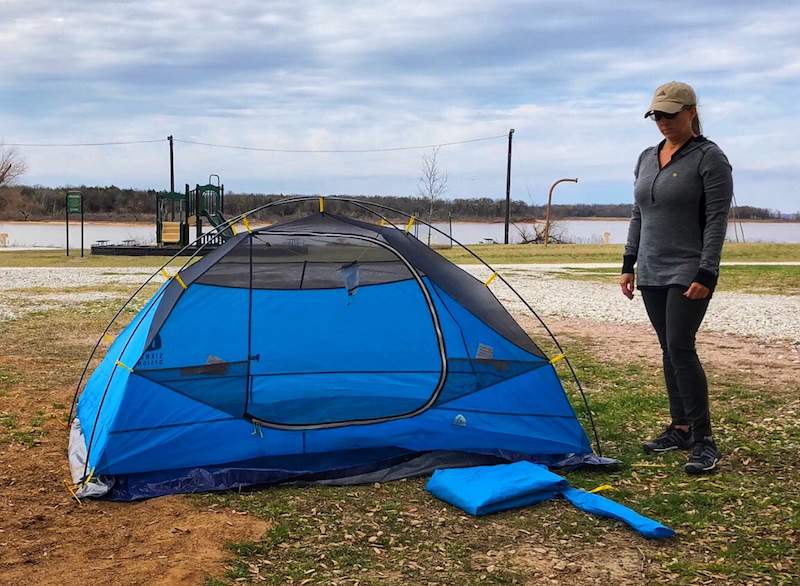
(549, 202)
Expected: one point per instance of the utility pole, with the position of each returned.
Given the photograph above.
(81, 225)
(508, 185)
(66, 218)
(450, 218)
(549, 202)
(171, 166)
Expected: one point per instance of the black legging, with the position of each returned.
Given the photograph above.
(676, 320)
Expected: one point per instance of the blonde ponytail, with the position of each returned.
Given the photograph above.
(697, 127)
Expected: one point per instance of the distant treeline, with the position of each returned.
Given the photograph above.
(121, 204)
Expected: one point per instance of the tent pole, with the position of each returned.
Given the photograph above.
(301, 199)
(250, 356)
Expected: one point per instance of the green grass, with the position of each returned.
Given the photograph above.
(586, 253)
(8, 422)
(532, 253)
(368, 533)
(491, 253)
(781, 280)
(740, 525)
(29, 435)
(6, 380)
(57, 258)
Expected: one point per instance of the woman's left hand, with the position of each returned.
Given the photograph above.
(697, 291)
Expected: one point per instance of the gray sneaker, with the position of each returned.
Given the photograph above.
(670, 439)
(704, 458)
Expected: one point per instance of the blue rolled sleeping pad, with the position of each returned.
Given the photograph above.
(481, 490)
(605, 507)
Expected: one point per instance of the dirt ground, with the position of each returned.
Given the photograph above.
(592, 564)
(770, 364)
(47, 537)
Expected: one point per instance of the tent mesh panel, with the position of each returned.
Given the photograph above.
(306, 262)
(222, 385)
(319, 398)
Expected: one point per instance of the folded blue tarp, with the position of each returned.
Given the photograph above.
(482, 490)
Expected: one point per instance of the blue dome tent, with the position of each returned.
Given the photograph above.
(334, 350)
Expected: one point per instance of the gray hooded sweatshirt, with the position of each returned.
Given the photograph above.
(679, 216)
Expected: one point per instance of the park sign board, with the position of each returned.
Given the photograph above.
(74, 206)
(74, 202)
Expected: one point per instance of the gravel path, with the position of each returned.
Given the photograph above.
(57, 278)
(763, 316)
(768, 317)
(15, 302)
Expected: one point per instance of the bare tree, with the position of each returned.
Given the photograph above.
(432, 183)
(535, 233)
(11, 166)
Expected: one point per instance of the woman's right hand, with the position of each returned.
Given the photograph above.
(626, 283)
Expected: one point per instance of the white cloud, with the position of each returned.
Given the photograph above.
(572, 77)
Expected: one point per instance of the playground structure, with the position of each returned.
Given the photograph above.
(176, 212)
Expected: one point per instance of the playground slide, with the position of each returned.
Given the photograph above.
(216, 219)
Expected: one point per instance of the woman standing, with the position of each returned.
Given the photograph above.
(683, 190)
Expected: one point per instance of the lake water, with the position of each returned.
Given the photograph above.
(593, 231)
(52, 234)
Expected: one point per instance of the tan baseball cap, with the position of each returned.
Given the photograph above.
(672, 97)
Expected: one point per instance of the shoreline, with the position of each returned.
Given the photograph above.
(488, 222)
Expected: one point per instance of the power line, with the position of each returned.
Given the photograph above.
(373, 150)
(80, 144)
(253, 148)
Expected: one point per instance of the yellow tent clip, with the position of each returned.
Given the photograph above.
(121, 365)
(321, 205)
(557, 358)
(246, 223)
(601, 488)
(381, 222)
(233, 229)
(177, 277)
(491, 279)
(410, 223)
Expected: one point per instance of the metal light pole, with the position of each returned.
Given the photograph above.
(549, 203)
(736, 221)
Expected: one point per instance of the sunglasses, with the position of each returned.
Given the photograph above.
(656, 115)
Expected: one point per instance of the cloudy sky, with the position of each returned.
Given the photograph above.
(572, 77)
